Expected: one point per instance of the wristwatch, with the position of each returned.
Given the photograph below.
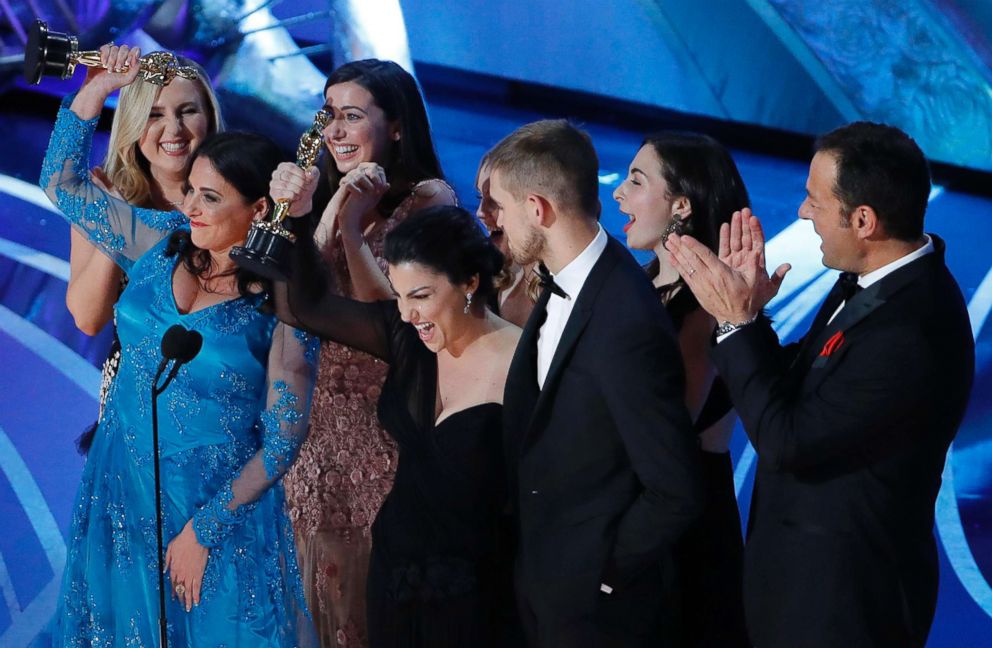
(727, 327)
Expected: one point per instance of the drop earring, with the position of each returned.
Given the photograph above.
(468, 303)
(677, 226)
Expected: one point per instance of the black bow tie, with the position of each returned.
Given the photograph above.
(547, 281)
(848, 282)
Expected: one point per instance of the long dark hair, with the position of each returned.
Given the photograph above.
(449, 240)
(246, 161)
(699, 168)
(397, 94)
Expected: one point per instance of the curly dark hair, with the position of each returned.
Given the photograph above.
(449, 240)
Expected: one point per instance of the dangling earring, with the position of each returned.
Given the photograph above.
(468, 303)
(677, 226)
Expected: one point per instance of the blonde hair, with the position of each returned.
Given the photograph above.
(553, 158)
(125, 166)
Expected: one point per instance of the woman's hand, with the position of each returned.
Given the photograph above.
(323, 235)
(185, 561)
(364, 187)
(101, 81)
(290, 182)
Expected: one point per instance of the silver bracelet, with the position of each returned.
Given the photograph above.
(727, 327)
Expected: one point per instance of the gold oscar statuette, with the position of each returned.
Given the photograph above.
(57, 54)
(266, 249)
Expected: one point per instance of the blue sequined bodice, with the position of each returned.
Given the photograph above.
(215, 399)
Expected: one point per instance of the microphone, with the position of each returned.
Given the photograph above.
(172, 341)
(186, 351)
(180, 345)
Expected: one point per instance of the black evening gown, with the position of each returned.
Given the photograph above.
(440, 573)
(710, 555)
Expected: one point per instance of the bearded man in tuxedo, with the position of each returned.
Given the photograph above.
(599, 444)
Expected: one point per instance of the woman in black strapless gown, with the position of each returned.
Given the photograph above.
(687, 183)
(440, 566)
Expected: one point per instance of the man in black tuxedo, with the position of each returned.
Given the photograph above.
(598, 441)
(851, 425)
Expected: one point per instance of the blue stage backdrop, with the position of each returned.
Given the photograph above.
(799, 65)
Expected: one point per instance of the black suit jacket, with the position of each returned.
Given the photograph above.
(602, 459)
(851, 428)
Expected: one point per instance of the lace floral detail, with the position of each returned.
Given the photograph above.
(164, 221)
(346, 466)
(279, 453)
(213, 521)
(312, 344)
(118, 534)
(213, 444)
(282, 428)
(95, 221)
(70, 144)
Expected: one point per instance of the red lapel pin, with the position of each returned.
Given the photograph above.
(834, 343)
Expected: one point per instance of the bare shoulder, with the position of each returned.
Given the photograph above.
(499, 346)
(431, 192)
(506, 337)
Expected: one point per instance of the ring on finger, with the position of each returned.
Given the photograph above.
(180, 589)
(691, 271)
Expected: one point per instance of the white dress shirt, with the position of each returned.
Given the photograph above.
(571, 278)
(876, 275)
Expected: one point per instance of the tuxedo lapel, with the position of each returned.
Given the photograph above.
(830, 304)
(571, 334)
(866, 302)
(522, 390)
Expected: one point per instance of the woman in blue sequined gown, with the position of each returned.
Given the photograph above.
(230, 424)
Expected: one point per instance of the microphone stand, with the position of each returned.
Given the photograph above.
(163, 637)
(180, 346)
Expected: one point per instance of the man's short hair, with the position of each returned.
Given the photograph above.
(551, 158)
(882, 167)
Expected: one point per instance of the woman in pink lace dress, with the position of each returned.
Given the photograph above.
(382, 167)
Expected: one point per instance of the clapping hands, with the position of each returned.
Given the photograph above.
(733, 286)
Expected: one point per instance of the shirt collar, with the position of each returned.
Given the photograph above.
(573, 275)
(875, 275)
